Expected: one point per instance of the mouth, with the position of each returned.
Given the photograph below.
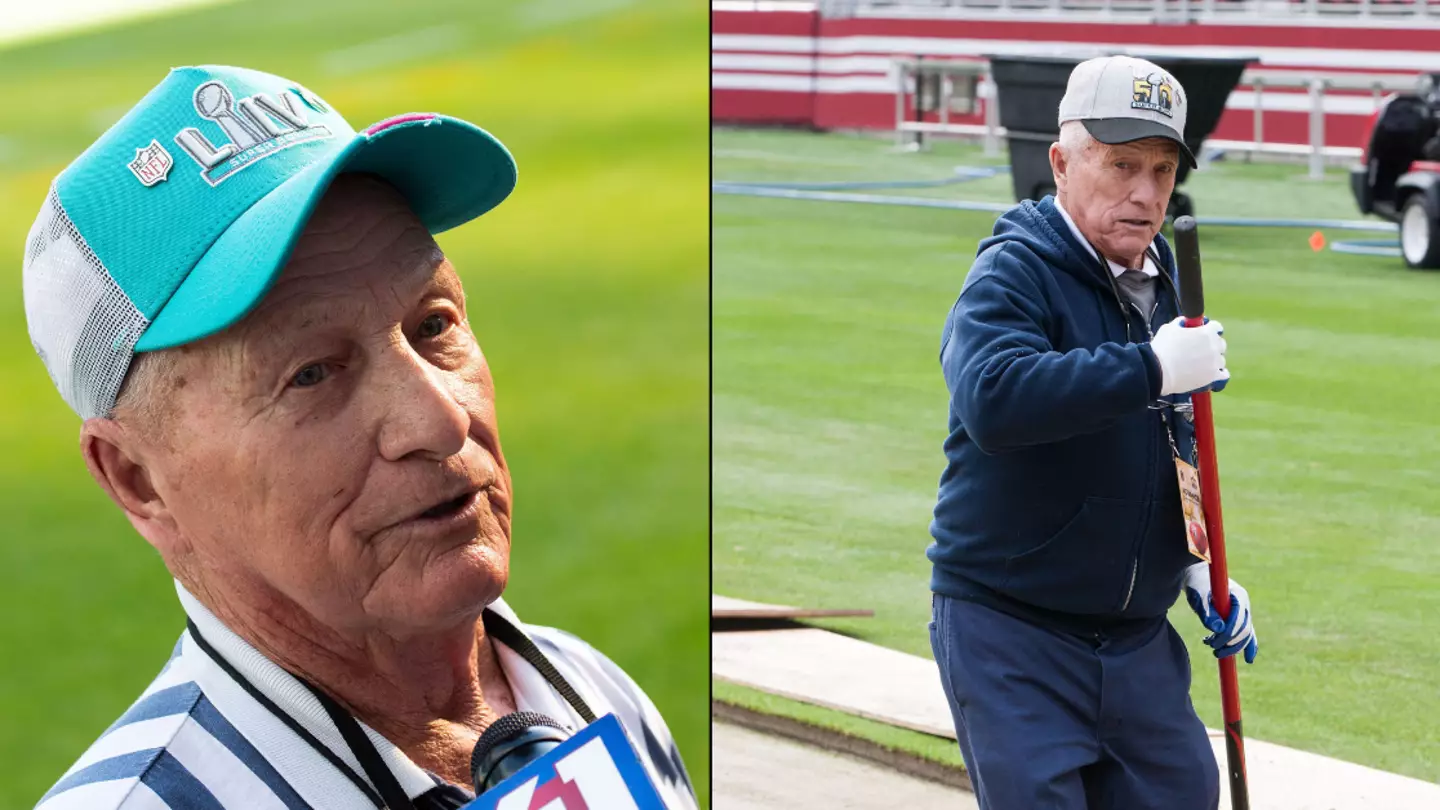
(463, 501)
(458, 506)
(1136, 223)
(452, 508)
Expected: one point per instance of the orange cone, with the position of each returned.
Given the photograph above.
(1317, 241)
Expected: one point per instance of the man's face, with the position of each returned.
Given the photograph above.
(1117, 194)
(338, 448)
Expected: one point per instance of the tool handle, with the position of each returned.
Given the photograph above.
(1220, 593)
(1192, 303)
(1187, 256)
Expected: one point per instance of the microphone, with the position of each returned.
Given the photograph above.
(526, 761)
(511, 743)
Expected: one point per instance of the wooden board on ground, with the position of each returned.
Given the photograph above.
(755, 771)
(862, 679)
(723, 607)
(1288, 779)
(837, 672)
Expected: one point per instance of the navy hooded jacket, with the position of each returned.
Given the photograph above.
(1059, 496)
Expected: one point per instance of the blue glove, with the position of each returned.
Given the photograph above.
(1227, 637)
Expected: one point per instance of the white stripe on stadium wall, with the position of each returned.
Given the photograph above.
(779, 64)
(761, 5)
(1199, 17)
(1270, 100)
(762, 43)
(774, 63)
(1408, 62)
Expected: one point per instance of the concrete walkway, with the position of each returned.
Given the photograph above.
(828, 669)
(754, 771)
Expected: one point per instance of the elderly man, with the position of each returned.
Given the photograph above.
(1059, 537)
(242, 299)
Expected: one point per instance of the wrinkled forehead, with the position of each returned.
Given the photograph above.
(1153, 148)
(363, 252)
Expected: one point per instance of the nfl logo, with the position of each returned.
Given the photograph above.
(151, 164)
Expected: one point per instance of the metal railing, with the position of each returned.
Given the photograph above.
(954, 85)
(972, 78)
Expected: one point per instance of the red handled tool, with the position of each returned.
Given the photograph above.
(1192, 301)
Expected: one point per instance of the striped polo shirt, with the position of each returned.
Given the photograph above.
(197, 739)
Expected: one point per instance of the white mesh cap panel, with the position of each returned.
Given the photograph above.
(81, 323)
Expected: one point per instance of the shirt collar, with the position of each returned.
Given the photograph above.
(530, 689)
(1116, 269)
(532, 692)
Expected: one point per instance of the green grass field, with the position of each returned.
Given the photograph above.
(588, 289)
(829, 413)
(938, 750)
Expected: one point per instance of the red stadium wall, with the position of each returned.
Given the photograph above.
(795, 105)
(793, 66)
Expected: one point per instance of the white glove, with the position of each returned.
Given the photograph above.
(1191, 358)
(1227, 637)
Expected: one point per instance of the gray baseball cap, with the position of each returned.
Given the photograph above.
(1121, 99)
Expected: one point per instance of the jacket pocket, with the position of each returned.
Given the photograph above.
(1087, 567)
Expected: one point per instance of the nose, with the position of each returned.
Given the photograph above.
(422, 415)
(1148, 191)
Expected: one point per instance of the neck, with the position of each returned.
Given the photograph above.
(1132, 263)
(430, 693)
(1129, 263)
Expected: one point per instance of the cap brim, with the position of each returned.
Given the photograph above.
(1125, 130)
(449, 170)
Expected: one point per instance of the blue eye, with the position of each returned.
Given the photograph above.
(310, 375)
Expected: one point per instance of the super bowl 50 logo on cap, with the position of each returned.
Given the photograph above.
(1154, 92)
(256, 128)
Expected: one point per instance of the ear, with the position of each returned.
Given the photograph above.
(116, 460)
(1059, 167)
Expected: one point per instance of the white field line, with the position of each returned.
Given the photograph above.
(421, 43)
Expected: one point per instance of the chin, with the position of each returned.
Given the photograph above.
(475, 574)
(1130, 245)
(455, 586)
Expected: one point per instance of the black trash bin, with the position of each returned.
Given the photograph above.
(1030, 89)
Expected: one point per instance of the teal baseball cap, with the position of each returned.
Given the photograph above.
(174, 224)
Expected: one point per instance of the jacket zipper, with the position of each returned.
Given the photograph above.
(1135, 563)
(1149, 330)
(1130, 592)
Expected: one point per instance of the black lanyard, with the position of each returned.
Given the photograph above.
(1115, 288)
(387, 792)
(1165, 407)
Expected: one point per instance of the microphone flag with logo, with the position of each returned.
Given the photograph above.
(596, 769)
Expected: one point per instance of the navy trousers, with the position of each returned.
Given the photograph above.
(1048, 720)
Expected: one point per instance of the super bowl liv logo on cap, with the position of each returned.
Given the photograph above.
(1154, 92)
(257, 127)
